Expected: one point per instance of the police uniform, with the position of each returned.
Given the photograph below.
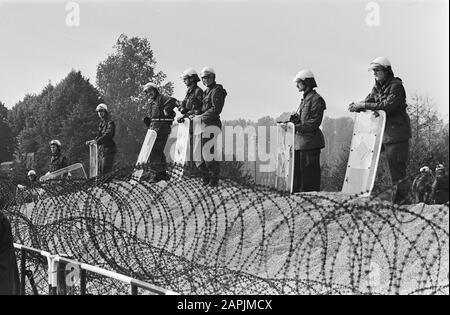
(192, 105)
(213, 102)
(391, 97)
(422, 187)
(309, 142)
(440, 189)
(107, 146)
(161, 113)
(57, 161)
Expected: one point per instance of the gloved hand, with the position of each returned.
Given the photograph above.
(147, 121)
(356, 107)
(181, 120)
(183, 110)
(293, 118)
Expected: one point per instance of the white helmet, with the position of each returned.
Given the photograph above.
(425, 169)
(188, 72)
(206, 71)
(150, 85)
(380, 62)
(303, 74)
(101, 107)
(31, 172)
(55, 142)
(440, 167)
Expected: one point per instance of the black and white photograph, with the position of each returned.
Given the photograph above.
(224, 152)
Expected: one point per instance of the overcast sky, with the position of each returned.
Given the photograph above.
(255, 47)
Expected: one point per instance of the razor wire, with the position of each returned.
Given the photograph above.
(236, 238)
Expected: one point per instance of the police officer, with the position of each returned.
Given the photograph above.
(192, 103)
(57, 160)
(439, 191)
(388, 94)
(213, 102)
(32, 177)
(422, 185)
(160, 118)
(107, 146)
(33, 191)
(309, 137)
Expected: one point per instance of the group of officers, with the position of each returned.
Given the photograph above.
(205, 104)
(387, 94)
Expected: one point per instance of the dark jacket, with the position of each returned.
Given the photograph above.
(57, 162)
(309, 118)
(213, 101)
(391, 98)
(9, 276)
(192, 103)
(106, 132)
(440, 189)
(156, 112)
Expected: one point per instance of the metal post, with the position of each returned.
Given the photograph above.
(53, 290)
(134, 290)
(30, 277)
(61, 278)
(51, 275)
(23, 263)
(83, 278)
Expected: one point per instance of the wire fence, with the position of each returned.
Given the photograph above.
(236, 238)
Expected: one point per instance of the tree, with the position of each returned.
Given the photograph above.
(333, 173)
(430, 134)
(7, 140)
(120, 79)
(65, 112)
(338, 134)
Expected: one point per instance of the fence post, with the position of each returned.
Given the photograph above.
(23, 264)
(30, 277)
(134, 290)
(52, 275)
(61, 278)
(83, 278)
